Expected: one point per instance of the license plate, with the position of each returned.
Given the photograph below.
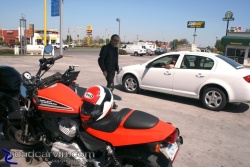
(172, 150)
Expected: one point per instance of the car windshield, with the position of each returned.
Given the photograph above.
(231, 62)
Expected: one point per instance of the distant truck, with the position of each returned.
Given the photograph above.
(134, 49)
(187, 47)
(57, 46)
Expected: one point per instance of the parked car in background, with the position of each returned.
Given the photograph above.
(72, 44)
(85, 45)
(214, 79)
(134, 49)
(160, 51)
(149, 52)
(57, 46)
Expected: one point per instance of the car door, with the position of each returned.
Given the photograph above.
(158, 78)
(194, 70)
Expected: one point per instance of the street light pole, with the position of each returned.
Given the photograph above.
(117, 19)
(79, 28)
(124, 38)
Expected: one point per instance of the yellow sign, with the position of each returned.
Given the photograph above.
(89, 30)
(31, 30)
(89, 27)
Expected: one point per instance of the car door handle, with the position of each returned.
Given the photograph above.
(167, 73)
(199, 75)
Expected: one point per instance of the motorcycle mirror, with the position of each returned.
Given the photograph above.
(48, 49)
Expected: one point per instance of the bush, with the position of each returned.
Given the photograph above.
(122, 52)
(6, 51)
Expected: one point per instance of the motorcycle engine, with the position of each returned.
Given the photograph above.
(64, 128)
(68, 127)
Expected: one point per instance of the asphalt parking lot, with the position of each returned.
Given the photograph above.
(211, 139)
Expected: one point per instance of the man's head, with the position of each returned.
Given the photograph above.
(114, 40)
(174, 60)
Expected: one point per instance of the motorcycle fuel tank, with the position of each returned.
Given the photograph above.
(59, 99)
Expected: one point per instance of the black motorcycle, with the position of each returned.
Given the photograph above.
(10, 81)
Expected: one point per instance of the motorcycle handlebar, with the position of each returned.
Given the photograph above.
(36, 98)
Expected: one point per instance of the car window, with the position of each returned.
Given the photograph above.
(163, 61)
(231, 62)
(197, 62)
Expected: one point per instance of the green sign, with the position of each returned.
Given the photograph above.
(196, 24)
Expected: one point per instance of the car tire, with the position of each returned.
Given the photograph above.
(135, 53)
(213, 99)
(55, 48)
(130, 84)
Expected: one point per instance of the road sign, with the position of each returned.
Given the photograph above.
(55, 8)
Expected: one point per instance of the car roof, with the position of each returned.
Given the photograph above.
(186, 53)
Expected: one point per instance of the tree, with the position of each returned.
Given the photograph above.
(219, 46)
(247, 30)
(141, 41)
(101, 41)
(183, 41)
(69, 38)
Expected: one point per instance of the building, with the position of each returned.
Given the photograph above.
(12, 37)
(237, 46)
(52, 37)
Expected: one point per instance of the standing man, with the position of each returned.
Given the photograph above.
(108, 62)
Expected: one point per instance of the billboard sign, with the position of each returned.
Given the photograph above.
(89, 30)
(196, 24)
(31, 30)
(55, 8)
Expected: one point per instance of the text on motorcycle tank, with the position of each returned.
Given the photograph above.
(53, 104)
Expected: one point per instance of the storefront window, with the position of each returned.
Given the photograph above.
(235, 52)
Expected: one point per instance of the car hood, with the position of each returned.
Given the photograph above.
(132, 66)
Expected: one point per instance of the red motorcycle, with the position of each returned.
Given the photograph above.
(56, 118)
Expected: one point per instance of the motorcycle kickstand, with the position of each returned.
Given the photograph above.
(113, 156)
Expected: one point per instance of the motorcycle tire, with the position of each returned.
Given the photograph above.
(12, 132)
(142, 157)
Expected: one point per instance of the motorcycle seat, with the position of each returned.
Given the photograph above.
(111, 122)
(140, 120)
(137, 120)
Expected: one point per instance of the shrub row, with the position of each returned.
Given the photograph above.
(6, 51)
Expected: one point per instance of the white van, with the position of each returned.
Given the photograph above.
(134, 49)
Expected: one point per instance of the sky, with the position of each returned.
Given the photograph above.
(150, 20)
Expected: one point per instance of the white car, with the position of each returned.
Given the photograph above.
(214, 79)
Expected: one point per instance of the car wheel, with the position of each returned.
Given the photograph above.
(130, 84)
(136, 54)
(214, 99)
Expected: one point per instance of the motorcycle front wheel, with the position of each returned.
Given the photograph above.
(139, 157)
(14, 134)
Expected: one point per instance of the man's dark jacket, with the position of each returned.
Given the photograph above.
(108, 60)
